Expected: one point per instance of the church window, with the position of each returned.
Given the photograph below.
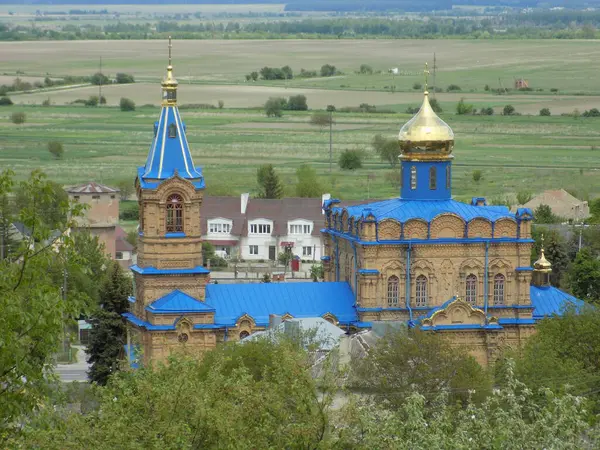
(499, 289)
(392, 292)
(421, 297)
(413, 177)
(172, 131)
(448, 176)
(471, 290)
(183, 338)
(244, 334)
(432, 178)
(174, 213)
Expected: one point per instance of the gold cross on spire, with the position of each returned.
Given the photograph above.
(170, 47)
(426, 72)
(542, 241)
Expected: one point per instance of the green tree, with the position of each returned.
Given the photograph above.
(545, 112)
(543, 214)
(463, 108)
(124, 78)
(320, 119)
(221, 104)
(108, 334)
(284, 258)
(126, 104)
(126, 188)
(327, 70)
(409, 360)
(417, 86)
(34, 310)
(509, 110)
(477, 175)
(297, 103)
(387, 149)
(317, 272)
(18, 117)
(50, 208)
(93, 100)
(584, 276)
(5, 101)
(269, 183)
(435, 105)
(365, 69)
(254, 76)
(274, 106)
(99, 79)
(56, 149)
(523, 197)
(308, 182)
(350, 160)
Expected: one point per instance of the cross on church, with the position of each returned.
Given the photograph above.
(426, 72)
(170, 47)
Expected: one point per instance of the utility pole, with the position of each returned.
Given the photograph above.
(330, 109)
(100, 85)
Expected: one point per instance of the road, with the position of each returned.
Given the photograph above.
(76, 371)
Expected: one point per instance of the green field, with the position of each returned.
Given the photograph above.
(104, 144)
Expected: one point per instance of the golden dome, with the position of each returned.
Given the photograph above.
(426, 136)
(542, 264)
(169, 84)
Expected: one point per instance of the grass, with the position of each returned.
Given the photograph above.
(104, 144)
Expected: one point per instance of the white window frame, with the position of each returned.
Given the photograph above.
(253, 247)
(219, 226)
(304, 250)
(300, 227)
(262, 228)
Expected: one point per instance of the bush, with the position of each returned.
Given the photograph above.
(102, 100)
(435, 105)
(297, 103)
(523, 197)
(129, 214)
(5, 101)
(487, 111)
(99, 78)
(46, 102)
(274, 106)
(477, 176)
(417, 86)
(18, 117)
(221, 104)
(350, 160)
(327, 70)
(509, 110)
(463, 108)
(553, 90)
(126, 104)
(545, 112)
(453, 88)
(56, 149)
(366, 69)
(92, 101)
(592, 113)
(124, 78)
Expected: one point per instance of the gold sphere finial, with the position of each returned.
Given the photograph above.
(542, 264)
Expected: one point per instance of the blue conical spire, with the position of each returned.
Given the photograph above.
(170, 152)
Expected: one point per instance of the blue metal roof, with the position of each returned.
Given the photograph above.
(301, 299)
(154, 271)
(170, 153)
(404, 210)
(178, 302)
(548, 300)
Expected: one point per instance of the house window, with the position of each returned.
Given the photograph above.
(421, 297)
(260, 228)
(119, 255)
(471, 290)
(254, 249)
(95, 197)
(432, 178)
(392, 290)
(174, 213)
(306, 251)
(244, 334)
(219, 228)
(300, 229)
(448, 176)
(499, 281)
(76, 198)
(112, 196)
(413, 177)
(172, 131)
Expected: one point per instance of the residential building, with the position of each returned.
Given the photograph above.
(259, 229)
(562, 204)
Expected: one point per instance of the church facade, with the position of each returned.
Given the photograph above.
(421, 258)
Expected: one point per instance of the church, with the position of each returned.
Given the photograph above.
(422, 258)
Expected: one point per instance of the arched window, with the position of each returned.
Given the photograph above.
(499, 289)
(448, 176)
(172, 131)
(392, 291)
(432, 178)
(421, 297)
(471, 290)
(413, 177)
(244, 334)
(174, 213)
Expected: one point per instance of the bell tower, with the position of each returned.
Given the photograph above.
(170, 191)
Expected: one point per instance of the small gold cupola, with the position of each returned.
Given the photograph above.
(426, 136)
(169, 84)
(542, 269)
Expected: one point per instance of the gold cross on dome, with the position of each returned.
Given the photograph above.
(542, 241)
(426, 72)
(170, 47)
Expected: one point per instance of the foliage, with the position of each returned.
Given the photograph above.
(463, 108)
(50, 208)
(321, 119)
(523, 197)
(317, 272)
(350, 159)
(297, 103)
(132, 238)
(273, 73)
(126, 188)
(5, 101)
(108, 333)
(284, 258)
(394, 177)
(435, 105)
(387, 149)
(274, 106)
(594, 112)
(99, 79)
(124, 78)
(208, 255)
(56, 149)
(543, 214)
(327, 70)
(489, 111)
(477, 175)
(93, 100)
(18, 117)
(34, 309)
(365, 69)
(126, 104)
(406, 361)
(269, 184)
(417, 86)
(509, 110)
(584, 276)
(308, 182)
(545, 112)
(555, 249)
(257, 395)
(221, 104)
(594, 210)
(453, 88)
